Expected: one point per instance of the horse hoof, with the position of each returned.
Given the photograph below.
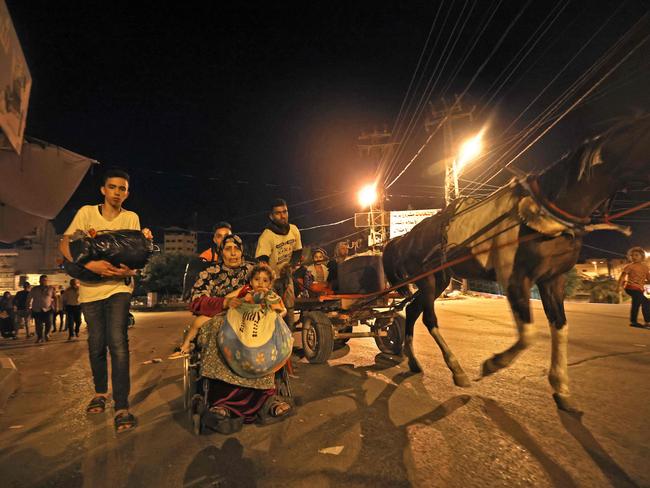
(566, 404)
(414, 366)
(462, 380)
(489, 367)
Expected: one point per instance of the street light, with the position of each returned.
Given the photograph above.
(368, 195)
(469, 150)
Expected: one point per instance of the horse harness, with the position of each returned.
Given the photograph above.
(532, 209)
(545, 217)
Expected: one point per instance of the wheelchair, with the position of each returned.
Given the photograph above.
(196, 391)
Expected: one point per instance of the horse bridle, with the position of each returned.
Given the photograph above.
(531, 184)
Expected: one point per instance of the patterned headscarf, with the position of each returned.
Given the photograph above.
(218, 280)
(322, 251)
(235, 239)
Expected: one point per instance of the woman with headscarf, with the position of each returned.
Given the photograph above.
(233, 398)
(320, 271)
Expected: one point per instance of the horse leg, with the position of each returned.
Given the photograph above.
(431, 321)
(552, 294)
(413, 311)
(519, 298)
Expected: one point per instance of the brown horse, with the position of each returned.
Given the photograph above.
(527, 233)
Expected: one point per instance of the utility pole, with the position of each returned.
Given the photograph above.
(445, 118)
(377, 145)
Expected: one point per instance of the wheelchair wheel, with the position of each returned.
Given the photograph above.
(187, 383)
(196, 424)
(282, 385)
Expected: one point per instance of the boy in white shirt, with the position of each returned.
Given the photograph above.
(105, 304)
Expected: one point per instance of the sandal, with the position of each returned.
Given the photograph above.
(97, 405)
(276, 409)
(279, 409)
(178, 355)
(124, 421)
(220, 412)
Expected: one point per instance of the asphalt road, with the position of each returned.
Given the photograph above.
(363, 420)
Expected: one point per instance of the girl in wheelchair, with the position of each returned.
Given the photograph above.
(224, 399)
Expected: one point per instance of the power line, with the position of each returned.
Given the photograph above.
(428, 90)
(572, 106)
(402, 111)
(545, 115)
(327, 225)
(602, 250)
(469, 85)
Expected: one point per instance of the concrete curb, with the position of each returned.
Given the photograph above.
(9, 379)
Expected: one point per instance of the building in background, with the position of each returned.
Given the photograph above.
(34, 255)
(39, 251)
(603, 268)
(179, 240)
(8, 260)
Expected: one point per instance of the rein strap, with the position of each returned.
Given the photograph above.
(536, 192)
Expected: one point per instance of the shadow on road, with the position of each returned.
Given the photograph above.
(223, 467)
(379, 458)
(610, 468)
(558, 475)
(69, 475)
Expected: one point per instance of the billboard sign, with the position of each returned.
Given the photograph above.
(15, 85)
(402, 221)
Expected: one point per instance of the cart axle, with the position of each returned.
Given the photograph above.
(352, 335)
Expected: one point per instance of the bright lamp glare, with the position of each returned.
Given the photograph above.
(470, 149)
(368, 195)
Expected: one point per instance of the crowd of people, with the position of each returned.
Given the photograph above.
(270, 279)
(41, 306)
(225, 281)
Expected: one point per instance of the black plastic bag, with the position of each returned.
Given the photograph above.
(128, 247)
(80, 272)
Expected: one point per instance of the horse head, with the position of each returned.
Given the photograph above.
(626, 151)
(600, 167)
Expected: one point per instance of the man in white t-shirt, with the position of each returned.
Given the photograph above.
(280, 247)
(105, 304)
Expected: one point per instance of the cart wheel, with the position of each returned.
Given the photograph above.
(393, 343)
(317, 337)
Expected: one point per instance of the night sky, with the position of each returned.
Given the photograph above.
(215, 108)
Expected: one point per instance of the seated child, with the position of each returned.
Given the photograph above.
(257, 290)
